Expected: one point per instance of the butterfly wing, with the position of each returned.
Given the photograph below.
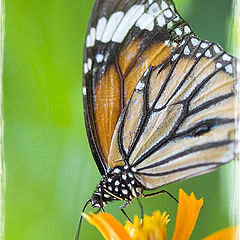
(123, 38)
(179, 121)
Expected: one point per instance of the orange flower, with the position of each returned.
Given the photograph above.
(225, 234)
(187, 215)
(110, 228)
(154, 227)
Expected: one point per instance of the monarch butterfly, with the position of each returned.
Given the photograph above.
(159, 102)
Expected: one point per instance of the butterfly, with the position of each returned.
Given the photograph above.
(159, 102)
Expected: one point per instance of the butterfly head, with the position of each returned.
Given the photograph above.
(97, 200)
(120, 183)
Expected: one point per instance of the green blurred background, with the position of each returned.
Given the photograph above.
(50, 170)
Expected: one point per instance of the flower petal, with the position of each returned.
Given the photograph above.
(230, 233)
(187, 214)
(110, 228)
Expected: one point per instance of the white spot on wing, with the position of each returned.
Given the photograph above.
(167, 43)
(168, 13)
(176, 19)
(208, 53)
(229, 68)
(218, 65)
(186, 50)
(203, 45)
(100, 28)
(164, 5)
(195, 41)
(178, 31)
(93, 36)
(112, 25)
(99, 57)
(182, 43)
(127, 22)
(85, 66)
(216, 49)
(198, 55)
(161, 20)
(89, 63)
(146, 21)
(175, 56)
(140, 86)
(88, 41)
(84, 91)
(154, 10)
(187, 29)
(170, 25)
(226, 57)
(172, 7)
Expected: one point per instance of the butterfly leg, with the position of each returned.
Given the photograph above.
(141, 207)
(160, 192)
(97, 211)
(100, 209)
(122, 209)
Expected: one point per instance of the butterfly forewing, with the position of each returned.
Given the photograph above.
(179, 121)
(124, 38)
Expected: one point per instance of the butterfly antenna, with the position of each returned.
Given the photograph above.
(80, 221)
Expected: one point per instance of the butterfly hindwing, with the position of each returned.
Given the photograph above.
(123, 39)
(179, 121)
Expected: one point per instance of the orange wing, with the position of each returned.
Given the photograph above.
(123, 40)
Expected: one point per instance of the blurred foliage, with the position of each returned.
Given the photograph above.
(50, 170)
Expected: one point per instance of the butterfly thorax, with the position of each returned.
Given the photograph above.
(119, 183)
